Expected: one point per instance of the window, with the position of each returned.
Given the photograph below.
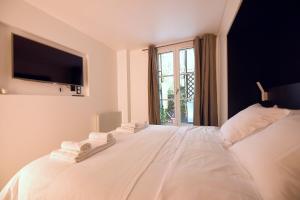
(187, 85)
(166, 87)
(176, 72)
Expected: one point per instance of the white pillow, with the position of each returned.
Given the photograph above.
(249, 121)
(272, 157)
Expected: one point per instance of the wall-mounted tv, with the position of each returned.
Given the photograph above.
(36, 61)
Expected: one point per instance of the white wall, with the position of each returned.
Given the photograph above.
(123, 63)
(139, 85)
(33, 125)
(132, 85)
(230, 12)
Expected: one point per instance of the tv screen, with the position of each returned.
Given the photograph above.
(36, 61)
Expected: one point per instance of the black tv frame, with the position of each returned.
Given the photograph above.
(62, 48)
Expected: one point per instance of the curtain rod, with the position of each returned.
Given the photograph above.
(169, 44)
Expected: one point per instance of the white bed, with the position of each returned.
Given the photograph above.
(159, 162)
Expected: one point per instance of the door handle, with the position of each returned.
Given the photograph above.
(177, 90)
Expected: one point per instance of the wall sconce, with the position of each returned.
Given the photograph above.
(264, 94)
(3, 91)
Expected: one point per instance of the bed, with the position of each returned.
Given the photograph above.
(159, 162)
(166, 156)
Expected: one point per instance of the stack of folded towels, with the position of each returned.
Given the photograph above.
(132, 127)
(78, 151)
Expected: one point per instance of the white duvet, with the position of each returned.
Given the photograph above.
(159, 162)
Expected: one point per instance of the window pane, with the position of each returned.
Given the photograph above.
(167, 111)
(187, 86)
(187, 111)
(187, 60)
(183, 85)
(182, 57)
(166, 87)
(165, 63)
(190, 60)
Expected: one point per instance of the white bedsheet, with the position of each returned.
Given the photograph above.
(159, 162)
(203, 169)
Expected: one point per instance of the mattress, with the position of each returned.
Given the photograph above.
(159, 162)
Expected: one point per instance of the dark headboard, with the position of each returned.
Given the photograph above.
(286, 96)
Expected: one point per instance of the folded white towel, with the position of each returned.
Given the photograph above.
(100, 136)
(128, 130)
(69, 156)
(76, 146)
(65, 155)
(73, 153)
(134, 125)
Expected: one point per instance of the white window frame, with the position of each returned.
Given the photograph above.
(175, 49)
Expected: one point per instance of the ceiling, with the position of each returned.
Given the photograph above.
(130, 24)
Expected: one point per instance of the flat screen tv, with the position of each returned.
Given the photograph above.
(35, 61)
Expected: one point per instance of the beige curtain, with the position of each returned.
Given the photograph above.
(153, 90)
(205, 102)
